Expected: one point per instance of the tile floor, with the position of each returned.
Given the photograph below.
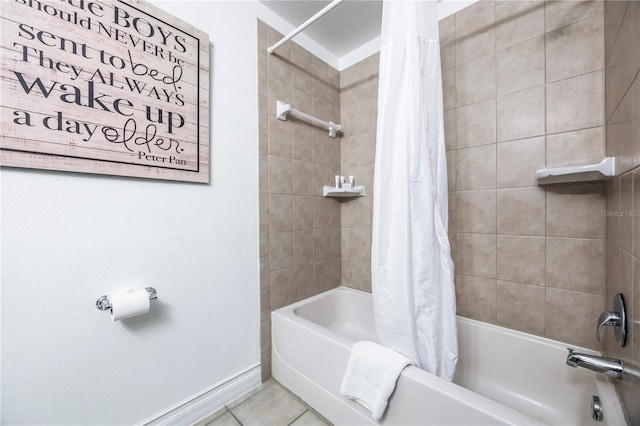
(270, 404)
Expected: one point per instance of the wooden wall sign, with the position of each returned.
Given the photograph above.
(103, 86)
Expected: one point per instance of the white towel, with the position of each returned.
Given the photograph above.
(371, 375)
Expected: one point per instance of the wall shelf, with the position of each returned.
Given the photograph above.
(575, 174)
(332, 191)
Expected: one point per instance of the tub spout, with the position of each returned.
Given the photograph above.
(607, 366)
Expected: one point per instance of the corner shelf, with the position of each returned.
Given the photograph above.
(575, 174)
(331, 191)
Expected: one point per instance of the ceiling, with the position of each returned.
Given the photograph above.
(348, 26)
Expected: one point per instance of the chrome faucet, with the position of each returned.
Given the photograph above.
(616, 318)
(607, 366)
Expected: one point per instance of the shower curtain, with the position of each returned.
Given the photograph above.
(411, 266)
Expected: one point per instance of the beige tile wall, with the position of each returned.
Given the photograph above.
(299, 229)
(359, 110)
(622, 94)
(523, 89)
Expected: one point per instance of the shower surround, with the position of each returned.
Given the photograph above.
(523, 89)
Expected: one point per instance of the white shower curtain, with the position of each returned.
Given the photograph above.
(411, 266)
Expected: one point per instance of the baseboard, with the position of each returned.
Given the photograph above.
(199, 406)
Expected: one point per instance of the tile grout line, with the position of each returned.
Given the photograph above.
(294, 420)
(234, 416)
(495, 82)
(251, 397)
(622, 98)
(544, 20)
(615, 39)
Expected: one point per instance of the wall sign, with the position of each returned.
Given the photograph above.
(103, 86)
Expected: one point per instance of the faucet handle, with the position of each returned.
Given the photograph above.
(607, 318)
(616, 318)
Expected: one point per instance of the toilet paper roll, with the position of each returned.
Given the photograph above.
(129, 304)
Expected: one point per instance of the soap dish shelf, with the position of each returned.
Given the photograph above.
(574, 174)
(332, 191)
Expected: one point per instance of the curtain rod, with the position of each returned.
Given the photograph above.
(304, 25)
(308, 22)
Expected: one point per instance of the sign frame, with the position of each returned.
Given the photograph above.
(116, 87)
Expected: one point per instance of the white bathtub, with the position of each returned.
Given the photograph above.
(503, 376)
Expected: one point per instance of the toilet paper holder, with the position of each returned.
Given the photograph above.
(104, 304)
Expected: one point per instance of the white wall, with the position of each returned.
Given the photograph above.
(68, 238)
